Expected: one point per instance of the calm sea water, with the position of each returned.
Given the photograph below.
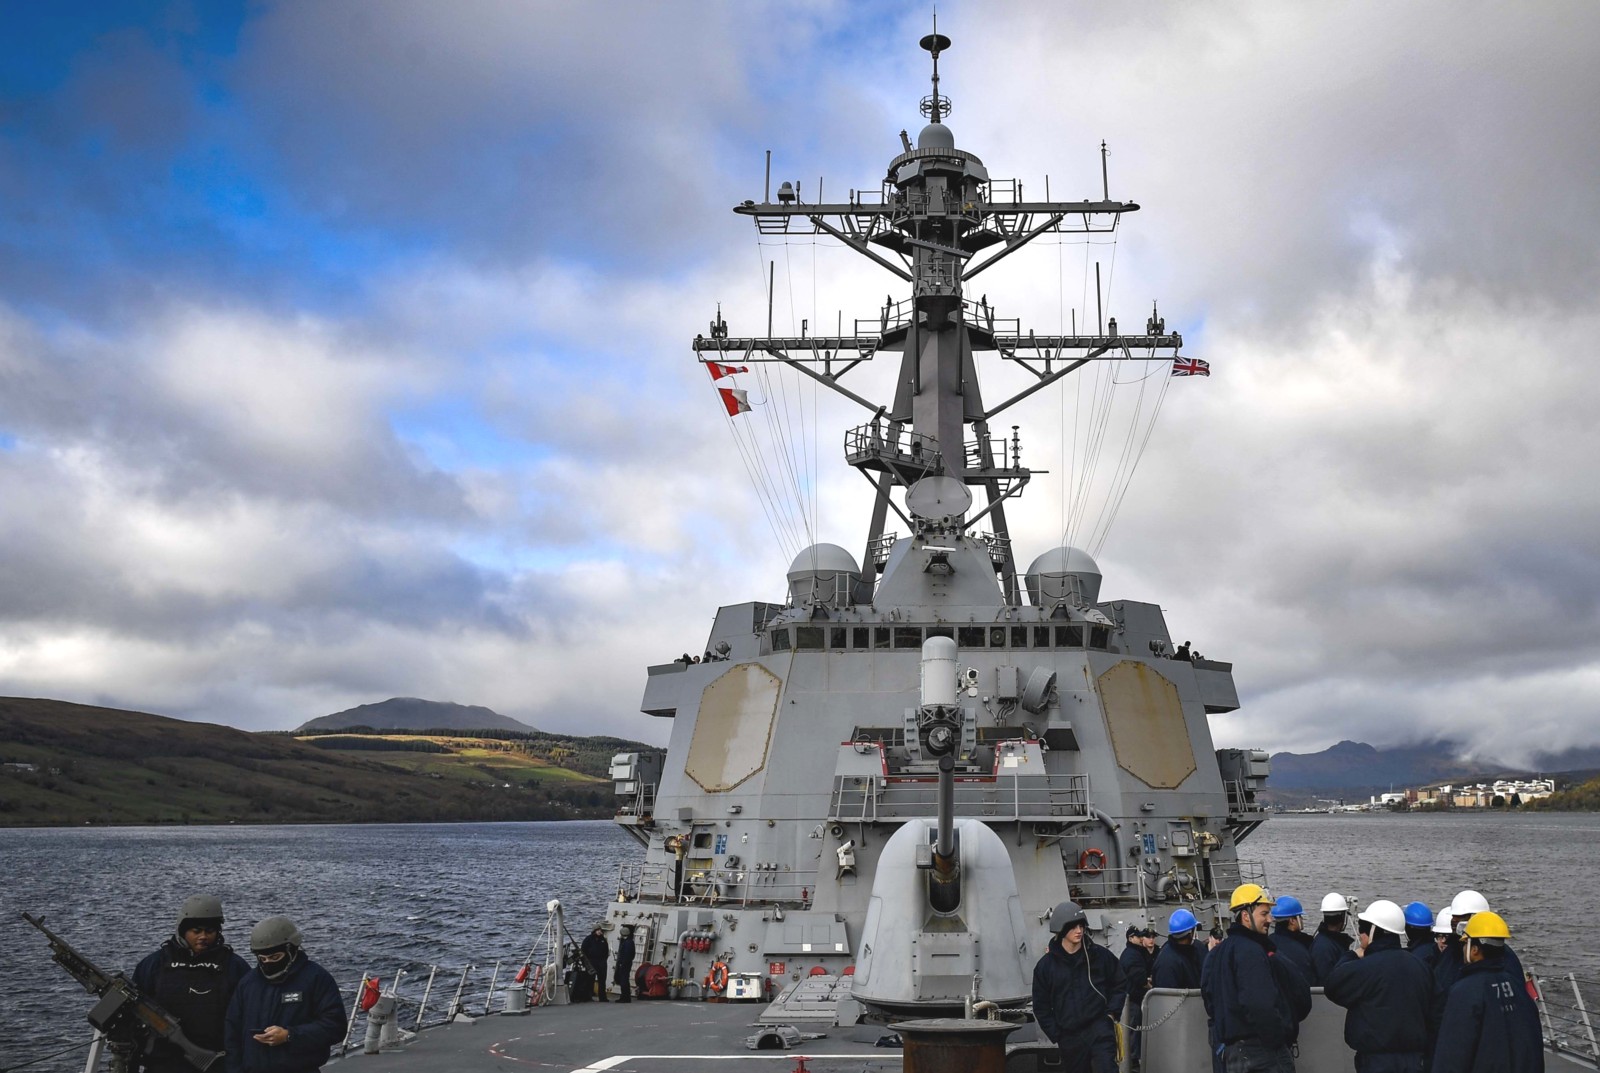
(379, 897)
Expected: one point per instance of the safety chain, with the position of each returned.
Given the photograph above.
(1164, 1019)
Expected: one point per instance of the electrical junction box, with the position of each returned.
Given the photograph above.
(745, 987)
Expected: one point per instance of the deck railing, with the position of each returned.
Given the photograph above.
(1567, 1016)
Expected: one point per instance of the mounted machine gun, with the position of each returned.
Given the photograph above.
(125, 1017)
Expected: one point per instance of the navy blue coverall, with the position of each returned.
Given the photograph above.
(1256, 1001)
(1077, 998)
(1490, 1025)
(1386, 994)
(305, 1001)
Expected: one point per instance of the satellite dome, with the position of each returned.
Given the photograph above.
(936, 136)
(1064, 575)
(823, 574)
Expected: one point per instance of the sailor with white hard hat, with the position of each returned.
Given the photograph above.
(1385, 993)
(1332, 940)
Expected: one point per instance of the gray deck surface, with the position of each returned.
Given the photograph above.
(648, 1037)
(685, 1037)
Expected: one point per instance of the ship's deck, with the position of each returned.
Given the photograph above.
(695, 1037)
(642, 1036)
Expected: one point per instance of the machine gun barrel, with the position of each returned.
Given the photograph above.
(123, 1012)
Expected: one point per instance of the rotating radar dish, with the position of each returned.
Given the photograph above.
(938, 499)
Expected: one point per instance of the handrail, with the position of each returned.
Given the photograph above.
(1568, 1026)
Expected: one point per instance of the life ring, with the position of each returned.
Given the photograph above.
(1092, 861)
(717, 978)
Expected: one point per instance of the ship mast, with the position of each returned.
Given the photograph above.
(937, 222)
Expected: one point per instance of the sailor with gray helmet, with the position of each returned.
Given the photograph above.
(1385, 992)
(287, 1015)
(1078, 993)
(192, 975)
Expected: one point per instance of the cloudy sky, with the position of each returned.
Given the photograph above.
(344, 348)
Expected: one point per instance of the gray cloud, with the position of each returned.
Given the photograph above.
(237, 501)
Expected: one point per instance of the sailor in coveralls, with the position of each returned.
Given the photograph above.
(1078, 994)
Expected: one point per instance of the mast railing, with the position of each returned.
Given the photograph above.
(1002, 799)
(878, 446)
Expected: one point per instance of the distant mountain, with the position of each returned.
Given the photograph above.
(1353, 768)
(412, 713)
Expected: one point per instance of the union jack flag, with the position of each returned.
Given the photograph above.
(1190, 367)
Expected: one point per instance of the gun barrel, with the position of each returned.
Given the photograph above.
(944, 885)
(946, 847)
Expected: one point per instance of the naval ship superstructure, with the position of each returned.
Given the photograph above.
(898, 772)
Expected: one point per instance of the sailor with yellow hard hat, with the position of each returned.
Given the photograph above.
(1489, 1022)
(1256, 1001)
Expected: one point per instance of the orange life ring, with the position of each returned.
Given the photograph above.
(717, 978)
(1092, 861)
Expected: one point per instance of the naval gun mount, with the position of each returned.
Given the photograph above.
(944, 918)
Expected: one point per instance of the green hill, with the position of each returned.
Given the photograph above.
(70, 764)
(413, 713)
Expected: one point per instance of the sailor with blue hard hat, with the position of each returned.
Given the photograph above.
(1179, 962)
(1419, 933)
(1289, 938)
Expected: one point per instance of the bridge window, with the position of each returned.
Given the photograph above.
(780, 639)
(1041, 637)
(997, 636)
(1099, 636)
(838, 637)
(908, 636)
(860, 637)
(970, 636)
(880, 637)
(808, 638)
(941, 631)
(1069, 636)
(1019, 637)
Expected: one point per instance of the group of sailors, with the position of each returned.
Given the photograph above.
(284, 1014)
(1422, 992)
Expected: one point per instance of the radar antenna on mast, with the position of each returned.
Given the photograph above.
(934, 106)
